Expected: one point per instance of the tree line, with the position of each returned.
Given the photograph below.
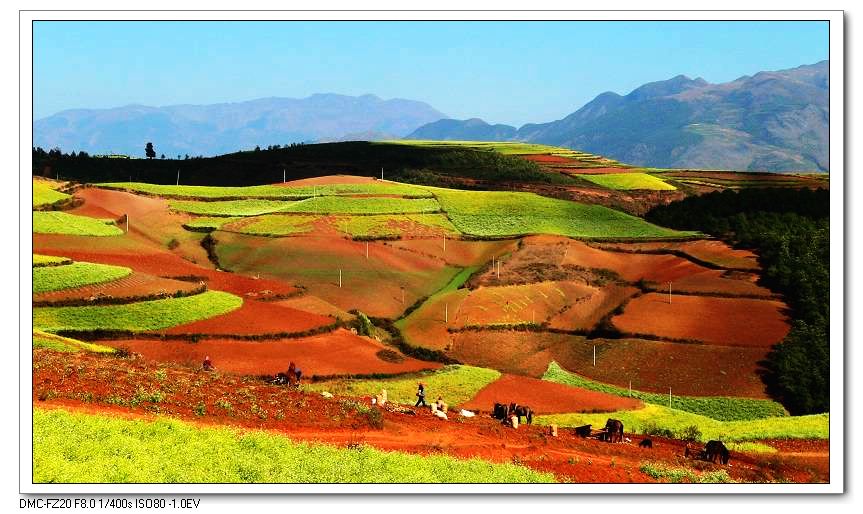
(790, 231)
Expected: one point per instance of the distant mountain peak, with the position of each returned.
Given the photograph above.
(773, 121)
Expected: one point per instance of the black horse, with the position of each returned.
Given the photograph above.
(614, 430)
(521, 411)
(646, 443)
(714, 450)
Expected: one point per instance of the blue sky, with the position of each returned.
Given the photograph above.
(503, 72)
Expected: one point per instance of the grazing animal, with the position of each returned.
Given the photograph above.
(714, 450)
(646, 443)
(583, 431)
(521, 410)
(614, 430)
(501, 412)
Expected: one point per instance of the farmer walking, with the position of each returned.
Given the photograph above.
(421, 396)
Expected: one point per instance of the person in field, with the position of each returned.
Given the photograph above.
(421, 396)
(208, 364)
(299, 374)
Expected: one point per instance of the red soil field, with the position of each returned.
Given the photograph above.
(712, 251)
(336, 353)
(255, 318)
(547, 397)
(427, 326)
(726, 321)
(167, 264)
(545, 158)
(135, 285)
(458, 252)
(584, 315)
(149, 220)
(690, 369)
(372, 285)
(330, 180)
(654, 366)
(313, 304)
(560, 255)
(529, 303)
(310, 417)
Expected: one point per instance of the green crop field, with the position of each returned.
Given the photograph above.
(680, 475)
(498, 214)
(273, 225)
(209, 223)
(85, 448)
(456, 384)
(369, 205)
(54, 278)
(136, 317)
(266, 191)
(251, 207)
(815, 426)
(49, 260)
(66, 344)
(54, 222)
(45, 194)
(627, 181)
(391, 225)
(721, 408)
(270, 191)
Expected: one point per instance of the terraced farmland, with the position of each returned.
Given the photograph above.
(77, 274)
(45, 193)
(230, 207)
(51, 222)
(363, 205)
(135, 317)
(526, 213)
(627, 181)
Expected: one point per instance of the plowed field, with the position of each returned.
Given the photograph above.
(546, 397)
(725, 321)
(335, 353)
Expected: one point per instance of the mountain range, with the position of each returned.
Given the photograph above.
(228, 127)
(771, 121)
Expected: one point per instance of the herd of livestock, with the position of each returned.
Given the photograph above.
(511, 414)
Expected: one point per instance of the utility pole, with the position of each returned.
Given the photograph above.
(284, 176)
(340, 277)
(594, 356)
(382, 172)
(178, 177)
